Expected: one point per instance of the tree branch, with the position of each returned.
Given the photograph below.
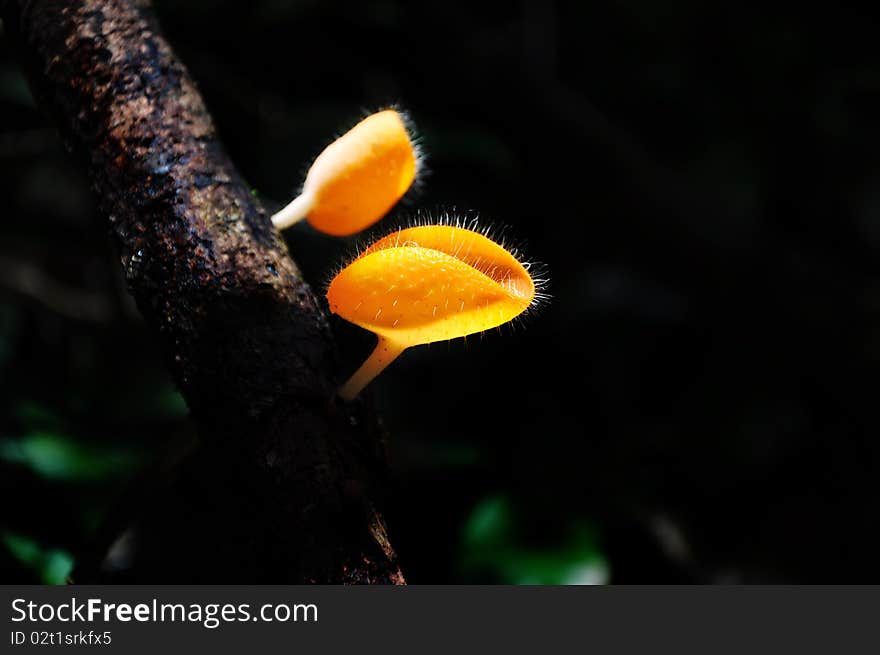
(283, 484)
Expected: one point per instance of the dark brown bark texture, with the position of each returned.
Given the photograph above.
(282, 487)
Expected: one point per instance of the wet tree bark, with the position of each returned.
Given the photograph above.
(283, 486)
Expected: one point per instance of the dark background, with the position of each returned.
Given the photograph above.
(697, 402)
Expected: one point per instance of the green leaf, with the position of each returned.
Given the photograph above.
(60, 458)
(491, 545)
(53, 565)
(490, 523)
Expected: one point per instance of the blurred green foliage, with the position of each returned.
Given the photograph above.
(59, 457)
(492, 545)
(53, 566)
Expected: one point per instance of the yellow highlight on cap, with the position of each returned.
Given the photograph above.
(426, 284)
(357, 178)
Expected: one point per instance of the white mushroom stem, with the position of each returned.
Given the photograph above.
(297, 210)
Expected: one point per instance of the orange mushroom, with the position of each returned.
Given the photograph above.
(424, 284)
(357, 178)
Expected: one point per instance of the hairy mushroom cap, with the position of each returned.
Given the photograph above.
(425, 284)
(431, 283)
(358, 178)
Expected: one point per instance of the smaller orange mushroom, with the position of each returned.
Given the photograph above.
(357, 178)
(424, 284)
